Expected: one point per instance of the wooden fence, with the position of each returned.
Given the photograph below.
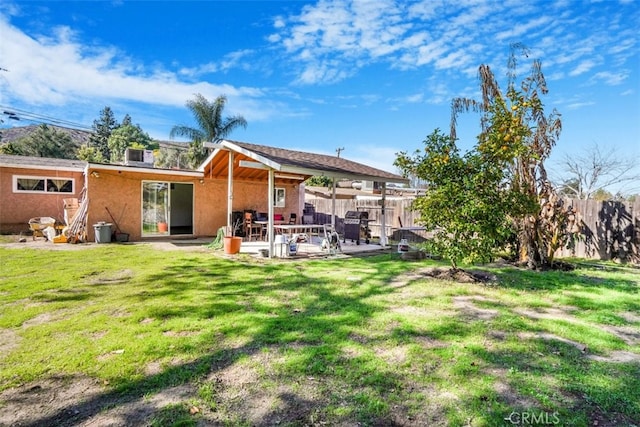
(611, 230)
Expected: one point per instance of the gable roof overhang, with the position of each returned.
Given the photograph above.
(252, 162)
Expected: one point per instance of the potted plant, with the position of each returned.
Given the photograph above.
(232, 243)
(161, 220)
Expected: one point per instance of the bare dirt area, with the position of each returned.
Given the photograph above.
(239, 394)
(13, 242)
(445, 273)
(81, 401)
(42, 244)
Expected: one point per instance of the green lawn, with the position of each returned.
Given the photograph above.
(368, 341)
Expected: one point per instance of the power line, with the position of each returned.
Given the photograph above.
(19, 114)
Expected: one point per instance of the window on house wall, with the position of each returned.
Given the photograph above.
(279, 198)
(40, 184)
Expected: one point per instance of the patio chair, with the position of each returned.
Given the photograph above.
(251, 229)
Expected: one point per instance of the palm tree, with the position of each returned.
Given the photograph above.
(211, 126)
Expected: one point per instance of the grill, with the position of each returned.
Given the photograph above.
(356, 227)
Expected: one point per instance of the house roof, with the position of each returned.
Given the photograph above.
(289, 164)
(41, 163)
(251, 162)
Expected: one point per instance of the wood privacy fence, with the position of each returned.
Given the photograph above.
(611, 230)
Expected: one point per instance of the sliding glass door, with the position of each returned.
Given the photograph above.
(155, 208)
(167, 208)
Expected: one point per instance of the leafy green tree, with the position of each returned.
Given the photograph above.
(212, 126)
(89, 154)
(602, 195)
(126, 136)
(10, 148)
(45, 141)
(465, 201)
(102, 128)
(319, 181)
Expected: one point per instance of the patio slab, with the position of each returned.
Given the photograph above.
(311, 249)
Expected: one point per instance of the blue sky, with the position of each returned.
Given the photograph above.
(374, 77)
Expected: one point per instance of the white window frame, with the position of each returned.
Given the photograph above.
(45, 178)
(279, 197)
(167, 207)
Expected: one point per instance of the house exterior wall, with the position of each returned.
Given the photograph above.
(254, 196)
(121, 192)
(17, 208)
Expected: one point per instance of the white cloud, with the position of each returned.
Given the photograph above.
(9, 8)
(577, 105)
(322, 72)
(582, 68)
(425, 10)
(60, 70)
(454, 59)
(279, 22)
(414, 99)
(233, 60)
(431, 52)
(519, 30)
(327, 42)
(609, 78)
(333, 39)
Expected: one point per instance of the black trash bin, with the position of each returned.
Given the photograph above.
(356, 226)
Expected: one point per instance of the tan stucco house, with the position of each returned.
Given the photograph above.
(236, 177)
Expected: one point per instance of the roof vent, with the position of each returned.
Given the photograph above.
(138, 157)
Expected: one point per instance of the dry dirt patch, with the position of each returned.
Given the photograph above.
(43, 318)
(112, 278)
(8, 341)
(53, 398)
(467, 307)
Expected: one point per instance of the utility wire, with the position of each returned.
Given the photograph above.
(19, 114)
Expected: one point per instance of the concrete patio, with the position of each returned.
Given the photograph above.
(313, 249)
